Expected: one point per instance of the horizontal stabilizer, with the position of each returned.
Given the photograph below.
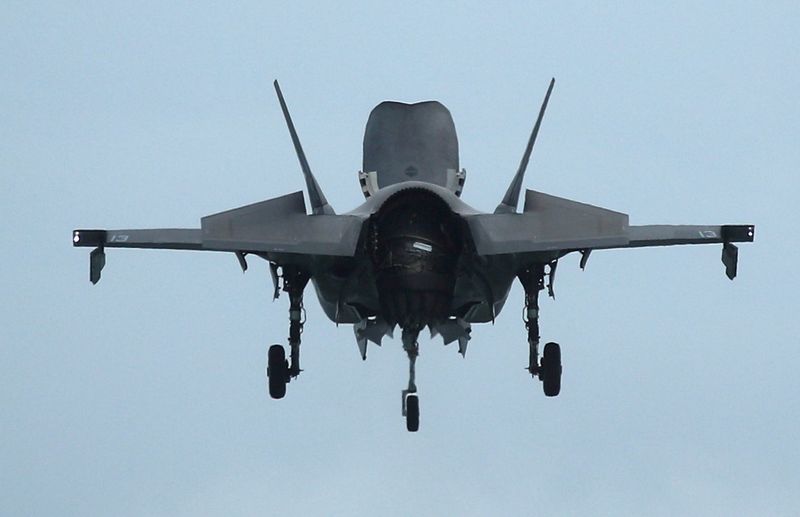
(548, 223)
(281, 225)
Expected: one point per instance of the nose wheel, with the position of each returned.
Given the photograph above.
(411, 411)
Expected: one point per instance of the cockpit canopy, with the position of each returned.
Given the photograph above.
(410, 142)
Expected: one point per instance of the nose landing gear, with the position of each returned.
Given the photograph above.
(411, 411)
(410, 397)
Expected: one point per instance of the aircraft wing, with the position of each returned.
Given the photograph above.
(274, 228)
(160, 238)
(670, 235)
(558, 226)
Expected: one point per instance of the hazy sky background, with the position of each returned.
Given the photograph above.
(145, 395)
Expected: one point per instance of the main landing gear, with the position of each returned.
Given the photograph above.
(279, 370)
(549, 370)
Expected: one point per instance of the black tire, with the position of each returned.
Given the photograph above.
(551, 369)
(277, 371)
(412, 413)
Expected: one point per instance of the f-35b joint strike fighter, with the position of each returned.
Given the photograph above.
(413, 255)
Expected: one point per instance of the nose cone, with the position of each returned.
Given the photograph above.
(404, 142)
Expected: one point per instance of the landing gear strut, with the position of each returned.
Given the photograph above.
(410, 397)
(279, 370)
(549, 371)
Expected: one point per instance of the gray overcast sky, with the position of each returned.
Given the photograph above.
(145, 395)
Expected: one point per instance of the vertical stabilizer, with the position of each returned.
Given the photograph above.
(511, 199)
(319, 205)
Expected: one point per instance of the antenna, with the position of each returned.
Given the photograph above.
(511, 199)
(319, 205)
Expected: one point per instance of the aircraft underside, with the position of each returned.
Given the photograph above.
(414, 300)
(422, 272)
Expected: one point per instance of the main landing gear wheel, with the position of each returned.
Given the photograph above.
(277, 371)
(411, 412)
(550, 372)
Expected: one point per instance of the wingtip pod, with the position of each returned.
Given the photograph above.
(511, 199)
(97, 258)
(319, 205)
(730, 258)
(730, 253)
(97, 261)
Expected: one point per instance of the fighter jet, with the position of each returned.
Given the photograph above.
(413, 255)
